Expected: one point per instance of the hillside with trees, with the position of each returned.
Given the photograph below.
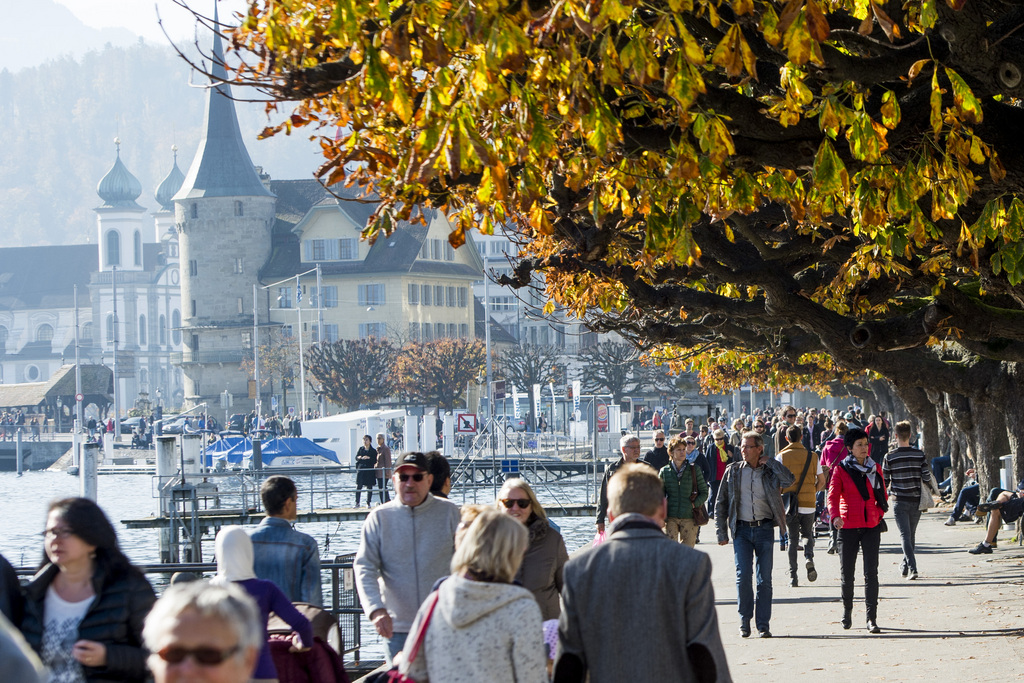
(59, 121)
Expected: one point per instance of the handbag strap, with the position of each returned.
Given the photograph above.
(803, 474)
(423, 630)
(693, 484)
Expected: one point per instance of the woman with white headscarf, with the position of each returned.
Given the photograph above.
(234, 565)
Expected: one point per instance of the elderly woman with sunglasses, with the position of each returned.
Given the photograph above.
(541, 570)
(85, 607)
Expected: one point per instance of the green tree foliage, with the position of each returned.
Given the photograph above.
(353, 373)
(436, 373)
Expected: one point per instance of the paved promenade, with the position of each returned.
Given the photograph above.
(963, 619)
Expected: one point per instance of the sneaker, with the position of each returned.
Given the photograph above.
(831, 550)
(812, 573)
(793, 582)
(951, 521)
(988, 507)
(912, 576)
(982, 549)
(744, 630)
(764, 634)
(904, 569)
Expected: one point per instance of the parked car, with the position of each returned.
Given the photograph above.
(131, 423)
(175, 425)
(516, 424)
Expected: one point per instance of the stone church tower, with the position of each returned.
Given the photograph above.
(224, 216)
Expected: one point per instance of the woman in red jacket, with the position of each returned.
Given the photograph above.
(856, 502)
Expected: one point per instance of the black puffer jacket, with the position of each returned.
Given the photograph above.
(114, 618)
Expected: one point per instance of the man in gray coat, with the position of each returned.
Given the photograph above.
(638, 582)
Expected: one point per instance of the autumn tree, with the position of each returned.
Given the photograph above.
(527, 364)
(437, 372)
(353, 373)
(797, 191)
(279, 360)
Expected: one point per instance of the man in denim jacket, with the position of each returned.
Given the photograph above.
(289, 558)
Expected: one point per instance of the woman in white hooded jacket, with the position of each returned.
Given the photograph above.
(483, 627)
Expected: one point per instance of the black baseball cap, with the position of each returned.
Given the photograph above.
(413, 459)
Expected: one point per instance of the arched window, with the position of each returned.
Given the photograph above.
(86, 334)
(163, 329)
(142, 330)
(3, 339)
(113, 248)
(110, 329)
(176, 327)
(138, 248)
(44, 333)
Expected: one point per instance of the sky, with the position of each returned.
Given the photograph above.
(140, 16)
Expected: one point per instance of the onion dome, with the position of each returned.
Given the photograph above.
(170, 185)
(119, 188)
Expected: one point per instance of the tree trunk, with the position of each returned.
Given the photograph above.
(1015, 418)
(917, 402)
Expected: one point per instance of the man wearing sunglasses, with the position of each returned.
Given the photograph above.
(657, 457)
(405, 547)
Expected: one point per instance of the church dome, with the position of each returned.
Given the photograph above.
(170, 185)
(119, 188)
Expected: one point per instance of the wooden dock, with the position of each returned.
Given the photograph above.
(225, 517)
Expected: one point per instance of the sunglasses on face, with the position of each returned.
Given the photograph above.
(660, 439)
(57, 532)
(204, 656)
(415, 477)
(523, 503)
(789, 415)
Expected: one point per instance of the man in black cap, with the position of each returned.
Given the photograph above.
(407, 544)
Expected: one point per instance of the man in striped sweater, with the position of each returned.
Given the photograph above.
(904, 469)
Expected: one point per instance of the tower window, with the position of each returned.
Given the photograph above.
(239, 210)
(138, 248)
(113, 248)
(193, 308)
(195, 210)
(142, 330)
(193, 267)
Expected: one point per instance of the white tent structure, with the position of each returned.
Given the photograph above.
(343, 433)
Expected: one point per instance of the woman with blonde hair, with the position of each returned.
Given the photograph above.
(541, 571)
(478, 625)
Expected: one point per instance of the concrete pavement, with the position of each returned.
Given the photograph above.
(963, 619)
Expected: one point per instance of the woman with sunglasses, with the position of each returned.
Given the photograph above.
(84, 609)
(233, 548)
(541, 570)
(202, 633)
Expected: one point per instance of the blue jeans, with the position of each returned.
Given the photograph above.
(969, 496)
(906, 516)
(395, 644)
(750, 543)
(939, 465)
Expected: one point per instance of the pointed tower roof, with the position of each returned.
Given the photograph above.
(222, 167)
(170, 185)
(119, 188)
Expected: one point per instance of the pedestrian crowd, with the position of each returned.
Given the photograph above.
(488, 592)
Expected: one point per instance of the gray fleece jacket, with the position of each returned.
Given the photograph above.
(402, 552)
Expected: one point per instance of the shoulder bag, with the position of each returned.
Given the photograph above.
(393, 675)
(700, 512)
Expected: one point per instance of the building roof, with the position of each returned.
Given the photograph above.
(394, 254)
(499, 335)
(221, 167)
(119, 188)
(45, 277)
(170, 185)
(97, 385)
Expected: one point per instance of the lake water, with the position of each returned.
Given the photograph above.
(25, 499)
